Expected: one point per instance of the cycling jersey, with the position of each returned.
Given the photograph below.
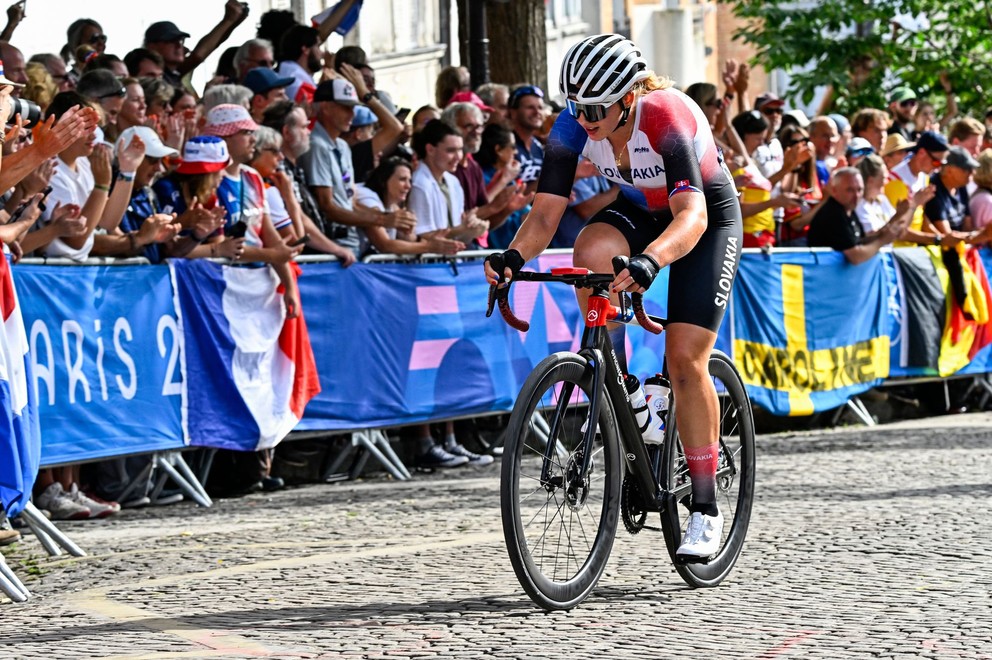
(671, 152)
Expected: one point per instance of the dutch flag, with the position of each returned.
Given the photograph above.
(248, 370)
(20, 433)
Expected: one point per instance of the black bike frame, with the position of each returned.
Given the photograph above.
(599, 352)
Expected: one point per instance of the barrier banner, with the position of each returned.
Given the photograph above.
(20, 434)
(798, 358)
(401, 343)
(105, 351)
(247, 368)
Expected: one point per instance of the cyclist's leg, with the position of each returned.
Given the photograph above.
(698, 294)
(687, 351)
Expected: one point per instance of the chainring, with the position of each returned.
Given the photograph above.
(632, 509)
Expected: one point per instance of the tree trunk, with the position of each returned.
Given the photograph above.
(518, 49)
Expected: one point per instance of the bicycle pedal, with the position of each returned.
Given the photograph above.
(682, 560)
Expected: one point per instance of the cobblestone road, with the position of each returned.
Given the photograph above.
(857, 549)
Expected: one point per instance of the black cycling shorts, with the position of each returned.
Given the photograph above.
(700, 282)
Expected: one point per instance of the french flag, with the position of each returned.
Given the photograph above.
(20, 433)
(248, 371)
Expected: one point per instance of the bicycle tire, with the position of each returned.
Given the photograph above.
(735, 492)
(530, 512)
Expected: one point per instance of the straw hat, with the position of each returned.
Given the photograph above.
(895, 142)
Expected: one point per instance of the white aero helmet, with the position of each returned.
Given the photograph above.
(601, 69)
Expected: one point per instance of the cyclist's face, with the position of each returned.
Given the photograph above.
(599, 130)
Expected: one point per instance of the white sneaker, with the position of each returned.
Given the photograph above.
(98, 508)
(60, 505)
(702, 536)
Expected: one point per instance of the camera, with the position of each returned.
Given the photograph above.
(30, 112)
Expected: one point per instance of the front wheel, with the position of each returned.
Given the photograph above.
(734, 477)
(559, 521)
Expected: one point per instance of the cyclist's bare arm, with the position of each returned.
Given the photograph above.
(537, 230)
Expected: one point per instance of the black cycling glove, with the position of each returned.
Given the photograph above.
(500, 261)
(643, 269)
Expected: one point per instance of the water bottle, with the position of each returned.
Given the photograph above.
(641, 410)
(657, 389)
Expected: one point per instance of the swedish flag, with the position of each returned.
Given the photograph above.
(809, 329)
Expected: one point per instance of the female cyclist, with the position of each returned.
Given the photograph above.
(677, 207)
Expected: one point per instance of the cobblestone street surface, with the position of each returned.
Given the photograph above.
(864, 543)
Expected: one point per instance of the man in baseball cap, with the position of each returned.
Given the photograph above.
(167, 40)
(329, 165)
(902, 106)
(143, 206)
(267, 87)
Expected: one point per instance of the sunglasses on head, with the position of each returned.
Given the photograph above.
(860, 153)
(592, 112)
(526, 90)
(109, 95)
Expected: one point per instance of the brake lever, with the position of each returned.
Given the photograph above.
(492, 299)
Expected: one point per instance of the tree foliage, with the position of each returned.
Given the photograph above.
(864, 48)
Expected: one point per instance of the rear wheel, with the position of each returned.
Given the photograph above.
(558, 522)
(734, 477)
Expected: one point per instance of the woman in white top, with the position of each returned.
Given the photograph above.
(875, 209)
(386, 190)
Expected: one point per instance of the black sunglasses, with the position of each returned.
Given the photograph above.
(792, 143)
(592, 112)
(908, 103)
(98, 38)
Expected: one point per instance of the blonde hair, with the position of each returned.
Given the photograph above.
(652, 83)
(41, 87)
(983, 175)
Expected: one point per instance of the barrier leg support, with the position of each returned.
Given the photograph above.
(373, 442)
(382, 441)
(168, 462)
(39, 522)
(10, 585)
(138, 480)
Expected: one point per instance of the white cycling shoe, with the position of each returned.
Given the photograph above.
(702, 536)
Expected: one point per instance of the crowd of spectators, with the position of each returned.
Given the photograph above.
(897, 175)
(292, 149)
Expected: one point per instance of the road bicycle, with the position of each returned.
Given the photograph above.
(566, 479)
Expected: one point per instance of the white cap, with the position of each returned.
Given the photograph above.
(154, 148)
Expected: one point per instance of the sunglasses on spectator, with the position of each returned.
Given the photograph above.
(772, 111)
(860, 153)
(471, 128)
(936, 162)
(268, 64)
(109, 95)
(592, 112)
(98, 38)
(908, 103)
(526, 90)
(716, 103)
(794, 142)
